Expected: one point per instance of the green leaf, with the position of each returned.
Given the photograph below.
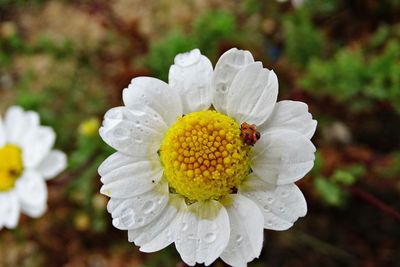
(330, 191)
(343, 177)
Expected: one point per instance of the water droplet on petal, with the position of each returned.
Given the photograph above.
(184, 226)
(266, 208)
(210, 237)
(128, 217)
(223, 88)
(270, 200)
(239, 238)
(191, 236)
(121, 133)
(148, 206)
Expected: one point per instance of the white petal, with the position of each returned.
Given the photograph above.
(204, 233)
(14, 121)
(54, 163)
(152, 100)
(9, 209)
(282, 157)
(252, 95)
(36, 145)
(32, 193)
(18, 124)
(149, 232)
(135, 132)
(281, 205)
(132, 178)
(3, 136)
(167, 236)
(290, 116)
(191, 76)
(135, 212)
(228, 65)
(247, 232)
(115, 161)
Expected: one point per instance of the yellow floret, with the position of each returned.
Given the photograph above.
(214, 160)
(10, 166)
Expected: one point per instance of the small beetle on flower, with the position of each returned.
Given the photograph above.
(249, 133)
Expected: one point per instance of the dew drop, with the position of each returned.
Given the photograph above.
(184, 226)
(148, 206)
(266, 208)
(128, 217)
(210, 237)
(239, 238)
(223, 88)
(270, 200)
(281, 209)
(192, 237)
(121, 133)
(269, 223)
(138, 140)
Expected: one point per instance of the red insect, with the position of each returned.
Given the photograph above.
(249, 133)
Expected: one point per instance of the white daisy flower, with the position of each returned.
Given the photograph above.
(295, 3)
(186, 170)
(26, 162)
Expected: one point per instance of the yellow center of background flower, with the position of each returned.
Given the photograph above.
(10, 166)
(204, 156)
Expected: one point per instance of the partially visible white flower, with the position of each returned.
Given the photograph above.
(26, 162)
(190, 166)
(295, 3)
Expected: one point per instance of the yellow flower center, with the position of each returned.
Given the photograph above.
(10, 166)
(204, 156)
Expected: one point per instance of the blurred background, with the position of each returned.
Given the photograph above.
(70, 60)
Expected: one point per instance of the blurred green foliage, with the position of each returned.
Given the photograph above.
(207, 32)
(20, 3)
(357, 77)
(162, 53)
(332, 189)
(392, 169)
(211, 29)
(360, 77)
(303, 41)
